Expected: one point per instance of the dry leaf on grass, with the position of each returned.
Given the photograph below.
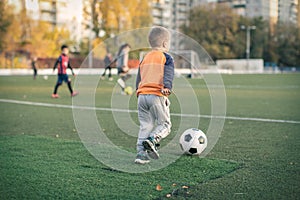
(158, 187)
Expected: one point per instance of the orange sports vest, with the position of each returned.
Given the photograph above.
(151, 72)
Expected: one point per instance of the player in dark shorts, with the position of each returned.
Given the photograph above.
(34, 68)
(62, 64)
(109, 63)
(122, 66)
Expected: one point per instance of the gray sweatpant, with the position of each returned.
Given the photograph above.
(154, 117)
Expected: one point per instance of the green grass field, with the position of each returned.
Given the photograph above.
(42, 156)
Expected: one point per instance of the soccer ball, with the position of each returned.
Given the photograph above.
(128, 90)
(193, 141)
(45, 77)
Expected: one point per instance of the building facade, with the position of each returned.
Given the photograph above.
(65, 14)
(276, 11)
(172, 14)
(288, 11)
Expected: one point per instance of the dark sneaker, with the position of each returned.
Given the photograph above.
(142, 158)
(151, 148)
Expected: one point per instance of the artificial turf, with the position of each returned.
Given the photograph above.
(42, 156)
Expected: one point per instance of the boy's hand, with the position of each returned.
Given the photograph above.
(166, 91)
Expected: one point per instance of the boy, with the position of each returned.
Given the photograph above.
(63, 63)
(109, 62)
(33, 66)
(154, 85)
(122, 65)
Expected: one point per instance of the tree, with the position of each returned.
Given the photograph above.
(117, 16)
(259, 37)
(287, 37)
(113, 13)
(92, 15)
(219, 31)
(270, 53)
(216, 29)
(5, 22)
(106, 18)
(35, 37)
(139, 12)
(47, 43)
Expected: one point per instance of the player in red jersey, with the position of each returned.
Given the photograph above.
(62, 64)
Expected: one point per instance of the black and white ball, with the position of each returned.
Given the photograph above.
(193, 141)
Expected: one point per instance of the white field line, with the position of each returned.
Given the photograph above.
(135, 111)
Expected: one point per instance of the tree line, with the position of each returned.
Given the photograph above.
(19, 34)
(218, 30)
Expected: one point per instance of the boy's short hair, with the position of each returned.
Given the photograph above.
(157, 36)
(64, 46)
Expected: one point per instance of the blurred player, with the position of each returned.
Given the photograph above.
(109, 62)
(122, 65)
(62, 64)
(34, 67)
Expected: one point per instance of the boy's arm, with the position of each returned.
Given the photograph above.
(168, 72)
(70, 67)
(56, 63)
(138, 79)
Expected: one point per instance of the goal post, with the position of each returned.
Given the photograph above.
(187, 62)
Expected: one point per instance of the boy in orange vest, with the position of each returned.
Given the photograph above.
(154, 85)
